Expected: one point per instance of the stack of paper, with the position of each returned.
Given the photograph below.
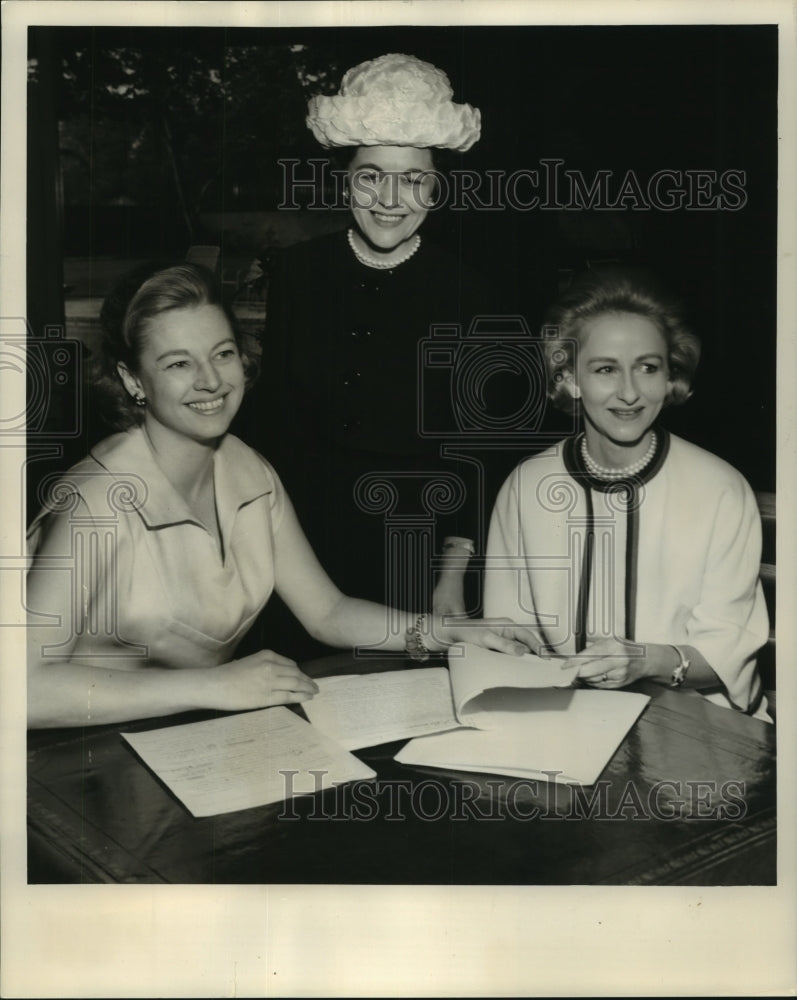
(565, 736)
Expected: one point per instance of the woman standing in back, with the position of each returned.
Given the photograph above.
(347, 314)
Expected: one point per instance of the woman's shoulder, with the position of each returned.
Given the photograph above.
(320, 263)
(435, 257)
(249, 476)
(86, 490)
(327, 246)
(238, 452)
(548, 459)
(533, 468)
(247, 465)
(696, 464)
(90, 476)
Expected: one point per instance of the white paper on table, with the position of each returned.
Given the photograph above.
(236, 762)
(571, 735)
(483, 679)
(362, 710)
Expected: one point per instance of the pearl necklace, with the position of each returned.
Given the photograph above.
(601, 472)
(381, 265)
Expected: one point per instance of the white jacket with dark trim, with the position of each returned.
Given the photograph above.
(670, 557)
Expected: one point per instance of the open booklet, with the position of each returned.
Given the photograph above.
(563, 736)
(489, 712)
(362, 710)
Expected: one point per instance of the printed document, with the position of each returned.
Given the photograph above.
(245, 760)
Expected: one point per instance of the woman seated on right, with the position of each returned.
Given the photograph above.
(625, 546)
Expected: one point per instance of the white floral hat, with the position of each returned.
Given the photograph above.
(395, 100)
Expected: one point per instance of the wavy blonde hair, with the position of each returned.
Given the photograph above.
(597, 294)
(136, 300)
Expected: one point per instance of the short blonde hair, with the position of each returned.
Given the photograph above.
(597, 294)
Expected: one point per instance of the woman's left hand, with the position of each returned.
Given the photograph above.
(610, 663)
(501, 634)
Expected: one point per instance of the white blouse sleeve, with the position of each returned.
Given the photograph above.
(506, 589)
(70, 565)
(730, 623)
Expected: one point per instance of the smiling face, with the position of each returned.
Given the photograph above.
(622, 379)
(190, 372)
(391, 190)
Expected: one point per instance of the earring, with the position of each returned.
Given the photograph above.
(566, 379)
(140, 400)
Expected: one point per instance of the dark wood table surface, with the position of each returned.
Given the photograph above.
(687, 799)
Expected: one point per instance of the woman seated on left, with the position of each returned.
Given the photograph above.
(155, 553)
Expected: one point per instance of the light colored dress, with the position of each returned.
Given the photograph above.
(671, 558)
(149, 584)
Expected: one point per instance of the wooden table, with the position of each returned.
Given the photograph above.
(687, 799)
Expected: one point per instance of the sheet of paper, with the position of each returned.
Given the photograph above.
(242, 761)
(573, 733)
(363, 710)
(475, 670)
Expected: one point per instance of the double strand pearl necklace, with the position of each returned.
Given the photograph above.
(601, 472)
(381, 265)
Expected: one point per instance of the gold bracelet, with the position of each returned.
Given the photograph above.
(414, 643)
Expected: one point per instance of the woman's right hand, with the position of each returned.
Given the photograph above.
(263, 679)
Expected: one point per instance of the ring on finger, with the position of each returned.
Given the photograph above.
(604, 678)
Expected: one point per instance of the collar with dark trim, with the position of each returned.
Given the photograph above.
(574, 464)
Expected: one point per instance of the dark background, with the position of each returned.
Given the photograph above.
(134, 149)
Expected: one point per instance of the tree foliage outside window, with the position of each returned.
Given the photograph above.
(168, 121)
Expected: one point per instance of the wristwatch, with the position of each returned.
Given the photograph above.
(455, 542)
(679, 674)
